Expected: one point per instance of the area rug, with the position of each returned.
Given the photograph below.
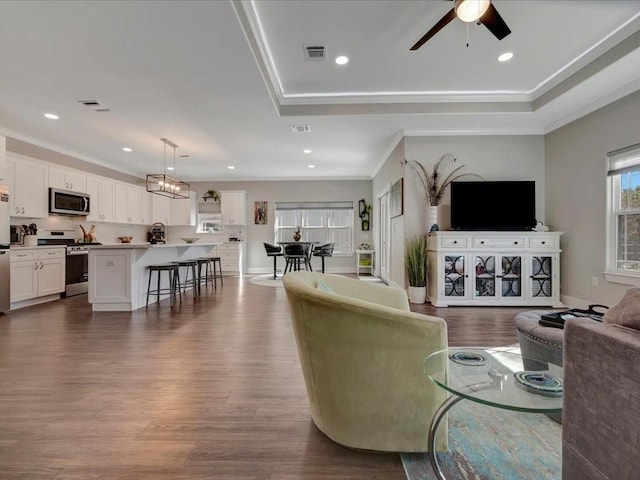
(267, 280)
(487, 443)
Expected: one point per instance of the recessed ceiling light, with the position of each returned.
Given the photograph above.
(312, 166)
(170, 168)
(231, 167)
(127, 149)
(306, 150)
(342, 60)
(51, 116)
(505, 57)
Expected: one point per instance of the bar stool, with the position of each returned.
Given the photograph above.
(217, 271)
(174, 282)
(206, 263)
(191, 265)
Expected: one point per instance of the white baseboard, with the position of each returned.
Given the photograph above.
(575, 302)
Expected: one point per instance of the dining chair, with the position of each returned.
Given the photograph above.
(294, 254)
(323, 251)
(274, 251)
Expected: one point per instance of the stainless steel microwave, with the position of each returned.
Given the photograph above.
(65, 202)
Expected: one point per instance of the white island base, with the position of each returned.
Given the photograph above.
(118, 274)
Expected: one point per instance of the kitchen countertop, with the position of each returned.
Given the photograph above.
(34, 247)
(157, 245)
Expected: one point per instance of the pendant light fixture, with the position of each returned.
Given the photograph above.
(167, 185)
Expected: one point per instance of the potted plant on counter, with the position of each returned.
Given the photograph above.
(416, 265)
(211, 194)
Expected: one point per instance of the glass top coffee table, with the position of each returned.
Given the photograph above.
(494, 377)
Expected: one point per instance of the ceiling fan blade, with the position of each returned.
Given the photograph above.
(494, 22)
(436, 28)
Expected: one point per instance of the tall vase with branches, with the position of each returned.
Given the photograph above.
(435, 181)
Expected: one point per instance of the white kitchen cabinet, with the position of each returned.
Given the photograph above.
(233, 204)
(183, 211)
(37, 272)
(146, 208)
(3, 159)
(232, 257)
(67, 179)
(160, 209)
(28, 186)
(494, 268)
(102, 193)
(128, 204)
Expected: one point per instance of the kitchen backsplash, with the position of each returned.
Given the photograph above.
(109, 232)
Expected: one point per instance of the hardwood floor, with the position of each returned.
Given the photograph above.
(211, 389)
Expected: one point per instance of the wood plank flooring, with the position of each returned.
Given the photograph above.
(211, 389)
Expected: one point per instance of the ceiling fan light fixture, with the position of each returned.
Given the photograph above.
(470, 10)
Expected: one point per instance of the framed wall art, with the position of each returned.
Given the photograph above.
(396, 206)
(260, 213)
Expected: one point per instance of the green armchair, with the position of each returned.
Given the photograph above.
(362, 352)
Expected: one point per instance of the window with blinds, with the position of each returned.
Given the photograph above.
(624, 214)
(321, 222)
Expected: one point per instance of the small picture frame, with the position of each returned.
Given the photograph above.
(396, 206)
(260, 211)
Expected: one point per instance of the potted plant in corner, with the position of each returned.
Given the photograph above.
(416, 265)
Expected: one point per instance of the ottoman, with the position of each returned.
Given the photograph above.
(541, 344)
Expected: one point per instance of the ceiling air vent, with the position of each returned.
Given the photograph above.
(315, 53)
(300, 128)
(94, 105)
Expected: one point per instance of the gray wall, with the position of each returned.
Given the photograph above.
(577, 195)
(291, 191)
(505, 157)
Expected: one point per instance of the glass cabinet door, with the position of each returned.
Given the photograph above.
(485, 276)
(541, 276)
(506, 282)
(454, 276)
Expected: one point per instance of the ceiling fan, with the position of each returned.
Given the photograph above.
(480, 11)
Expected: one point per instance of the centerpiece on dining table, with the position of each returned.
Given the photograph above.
(297, 235)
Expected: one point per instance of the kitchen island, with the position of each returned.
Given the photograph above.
(118, 274)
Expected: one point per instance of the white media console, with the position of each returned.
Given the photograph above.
(493, 268)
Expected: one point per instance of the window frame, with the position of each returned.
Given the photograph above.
(326, 227)
(628, 161)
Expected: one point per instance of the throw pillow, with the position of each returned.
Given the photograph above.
(627, 311)
(324, 287)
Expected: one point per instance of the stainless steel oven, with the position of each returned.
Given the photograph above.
(77, 270)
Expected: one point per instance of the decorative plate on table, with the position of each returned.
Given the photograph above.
(472, 359)
(541, 383)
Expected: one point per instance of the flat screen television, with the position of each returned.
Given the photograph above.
(493, 205)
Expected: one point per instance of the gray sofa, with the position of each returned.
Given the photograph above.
(601, 412)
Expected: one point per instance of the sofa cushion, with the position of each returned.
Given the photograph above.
(627, 311)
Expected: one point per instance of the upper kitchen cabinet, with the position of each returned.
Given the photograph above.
(27, 183)
(160, 209)
(67, 179)
(128, 204)
(103, 193)
(183, 211)
(234, 207)
(3, 159)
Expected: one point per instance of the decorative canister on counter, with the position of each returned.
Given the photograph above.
(30, 240)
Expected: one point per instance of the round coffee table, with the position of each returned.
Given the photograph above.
(493, 377)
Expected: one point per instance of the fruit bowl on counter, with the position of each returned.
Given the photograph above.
(125, 239)
(189, 239)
